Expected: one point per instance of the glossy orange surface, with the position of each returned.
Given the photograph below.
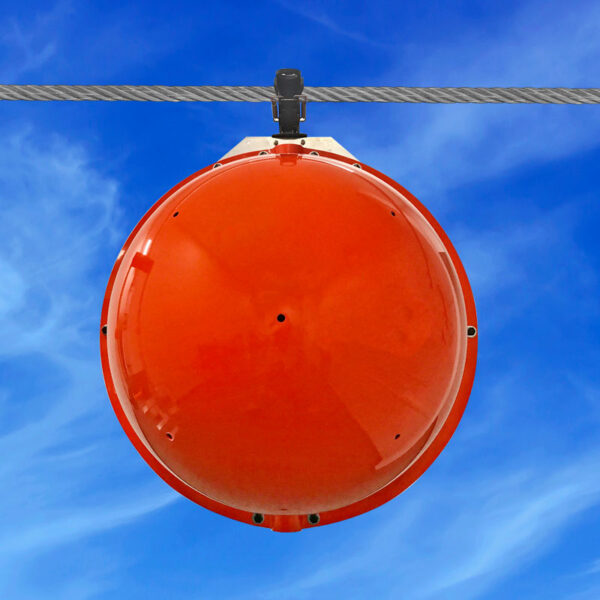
(286, 334)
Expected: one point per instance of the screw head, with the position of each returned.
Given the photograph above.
(314, 518)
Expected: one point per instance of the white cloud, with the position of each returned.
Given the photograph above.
(431, 149)
(592, 568)
(31, 43)
(59, 225)
(319, 16)
(73, 526)
(454, 539)
(513, 261)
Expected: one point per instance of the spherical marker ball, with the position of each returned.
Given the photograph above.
(286, 336)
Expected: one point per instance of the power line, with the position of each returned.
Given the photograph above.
(224, 93)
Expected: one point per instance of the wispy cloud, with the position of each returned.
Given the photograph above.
(60, 219)
(458, 541)
(73, 526)
(316, 14)
(508, 260)
(593, 568)
(30, 44)
(48, 43)
(434, 148)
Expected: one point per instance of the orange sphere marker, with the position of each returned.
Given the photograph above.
(289, 339)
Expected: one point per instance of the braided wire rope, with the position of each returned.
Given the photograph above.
(243, 93)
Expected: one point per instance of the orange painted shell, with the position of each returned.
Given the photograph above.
(289, 339)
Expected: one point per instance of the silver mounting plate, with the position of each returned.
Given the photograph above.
(256, 144)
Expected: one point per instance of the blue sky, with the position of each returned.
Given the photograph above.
(511, 509)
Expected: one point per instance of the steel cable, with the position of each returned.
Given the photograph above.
(210, 93)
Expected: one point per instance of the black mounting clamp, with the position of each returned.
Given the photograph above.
(289, 105)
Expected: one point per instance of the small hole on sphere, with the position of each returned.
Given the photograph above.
(471, 331)
(169, 435)
(356, 165)
(281, 318)
(258, 518)
(393, 214)
(396, 436)
(217, 165)
(314, 153)
(175, 213)
(104, 329)
(263, 153)
(314, 519)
